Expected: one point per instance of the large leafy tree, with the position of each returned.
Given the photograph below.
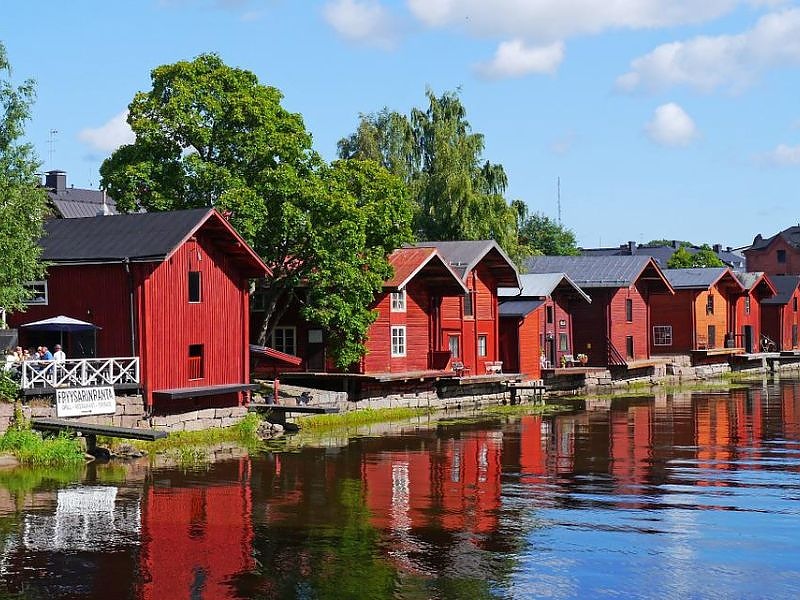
(458, 194)
(208, 134)
(22, 199)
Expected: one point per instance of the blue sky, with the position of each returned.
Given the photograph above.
(663, 118)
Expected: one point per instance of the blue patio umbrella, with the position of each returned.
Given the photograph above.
(62, 324)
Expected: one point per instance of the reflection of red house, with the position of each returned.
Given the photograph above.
(613, 329)
(536, 320)
(469, 324)
(757, 288)
(170, 287)
(780, 316)
(699, 315)
(196, 539)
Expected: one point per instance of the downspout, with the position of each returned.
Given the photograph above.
(127, 262)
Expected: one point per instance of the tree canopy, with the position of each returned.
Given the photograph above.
(22, 199)
(208, 134)
(541, 235)
(704, 257)
(458, 195)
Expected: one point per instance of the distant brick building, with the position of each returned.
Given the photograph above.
(777, 255)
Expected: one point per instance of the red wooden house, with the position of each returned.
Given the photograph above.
(536, 322)
(701, 315)
(757, 288)
(171, 288)
(613, 329)
(777, 255)
(468, 324)
(780, 317)
(404, 337)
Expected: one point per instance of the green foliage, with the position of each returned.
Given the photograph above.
(458, 195)
(211, 135)
(542, 235)
(662, 243)
(22, 200)
(356, 418)
(8, 388)
(704, 257)
(29, 447)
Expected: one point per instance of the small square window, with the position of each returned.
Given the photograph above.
(37, 293)
(399, 301)
(196, 366)
(195, 294)
(398, 341)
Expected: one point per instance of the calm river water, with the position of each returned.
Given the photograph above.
(691, 495)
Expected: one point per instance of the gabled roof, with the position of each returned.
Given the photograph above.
(791, 236)
(700, 278)
(140, 237)
(410, 262)
(754, 279)
(542, 285)
(510, 307)
(599, 271)
(464, 256)
(785, 286)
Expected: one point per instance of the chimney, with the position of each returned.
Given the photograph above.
(105, 210)
(717, 248)
(675, 244)
(56, 180)
(631, 248)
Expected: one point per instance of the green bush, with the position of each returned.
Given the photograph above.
(29, 447)
(8, 388)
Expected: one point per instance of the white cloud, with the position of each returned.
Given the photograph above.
(783, 156)
(515, 59)
(109, 136)
(364, 21)
(707, 63)
(671, 126)
(550, 20)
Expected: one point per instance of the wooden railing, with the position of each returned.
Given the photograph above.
(80, 372)
(615, 358)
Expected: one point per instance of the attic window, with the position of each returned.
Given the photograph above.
(710, 304)
(781, 256)
(468, 310)
(195, 294)
(399, 301)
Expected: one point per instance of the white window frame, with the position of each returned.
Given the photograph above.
(456, 355)
(399, 301)
(32, 301)
(284, 329)
(398, 340)
(665, 337)
(483, 344)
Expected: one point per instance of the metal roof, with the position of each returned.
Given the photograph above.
(785, 285)
(541, 285)
(697, 278)
(595, 271)
(518, 308)
(74, 203)
(410, 262)
(790, 234)
(662, 254)
(465, 255)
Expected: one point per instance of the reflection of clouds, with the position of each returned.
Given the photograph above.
(86, 519)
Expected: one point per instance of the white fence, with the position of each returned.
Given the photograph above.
(80, 372)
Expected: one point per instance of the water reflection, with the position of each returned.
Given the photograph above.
(679, 496)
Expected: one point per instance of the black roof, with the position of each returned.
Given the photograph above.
(786, 285)
(592, 271)
(662, 254)
(697, 278)
(511, 307)
(791, 235)
(75, 203)
(138, 237)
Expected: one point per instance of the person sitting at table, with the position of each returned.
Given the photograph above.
(59, 355)
(45, 354)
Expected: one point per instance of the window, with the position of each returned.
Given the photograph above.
(549, 314)
(563, 342)
(196, 366)
(781, 256)
(629, 310)
(629, 346)
(662, 335)
(258, 301)
(481, 345)
(284, 340)
(399, 301)
(468, 309)
(747, 305)
(453, 344)
(794, 335)
(794, 304)
(399, 341)
(195, 295)
(38, 292)
(710, 304)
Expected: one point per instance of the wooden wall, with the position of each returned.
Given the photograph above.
(719, 319)
(638, 328)
(767, 259)
(675, 311)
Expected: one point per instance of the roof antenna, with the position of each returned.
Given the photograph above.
(559, 200)
(52, 144)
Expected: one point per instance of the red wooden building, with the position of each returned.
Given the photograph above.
(468, 325)
(757, 288)
(613, 329)
(536, 322)
(701, 315)
(776, 255)
(780, 317)
(171, 288)
(404, 337)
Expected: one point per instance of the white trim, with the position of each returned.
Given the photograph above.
(485, 338)
(401, 348)
(32, 302)
(667, 329)
(398, 301)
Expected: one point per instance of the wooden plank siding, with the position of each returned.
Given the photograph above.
(766, 259)
(751, 317)
(637, 328)
(686, 313)
(777, 321)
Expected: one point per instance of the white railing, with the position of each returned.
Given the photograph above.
(80, 372)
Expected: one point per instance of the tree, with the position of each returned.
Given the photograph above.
(458, 195)
(542, 235)
(680, 259)
(211, 135)
(22, 199)
(704, 257)
(662, 243)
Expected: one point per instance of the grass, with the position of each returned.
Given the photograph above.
(31, 449)
(357, 418)
(528, 408)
